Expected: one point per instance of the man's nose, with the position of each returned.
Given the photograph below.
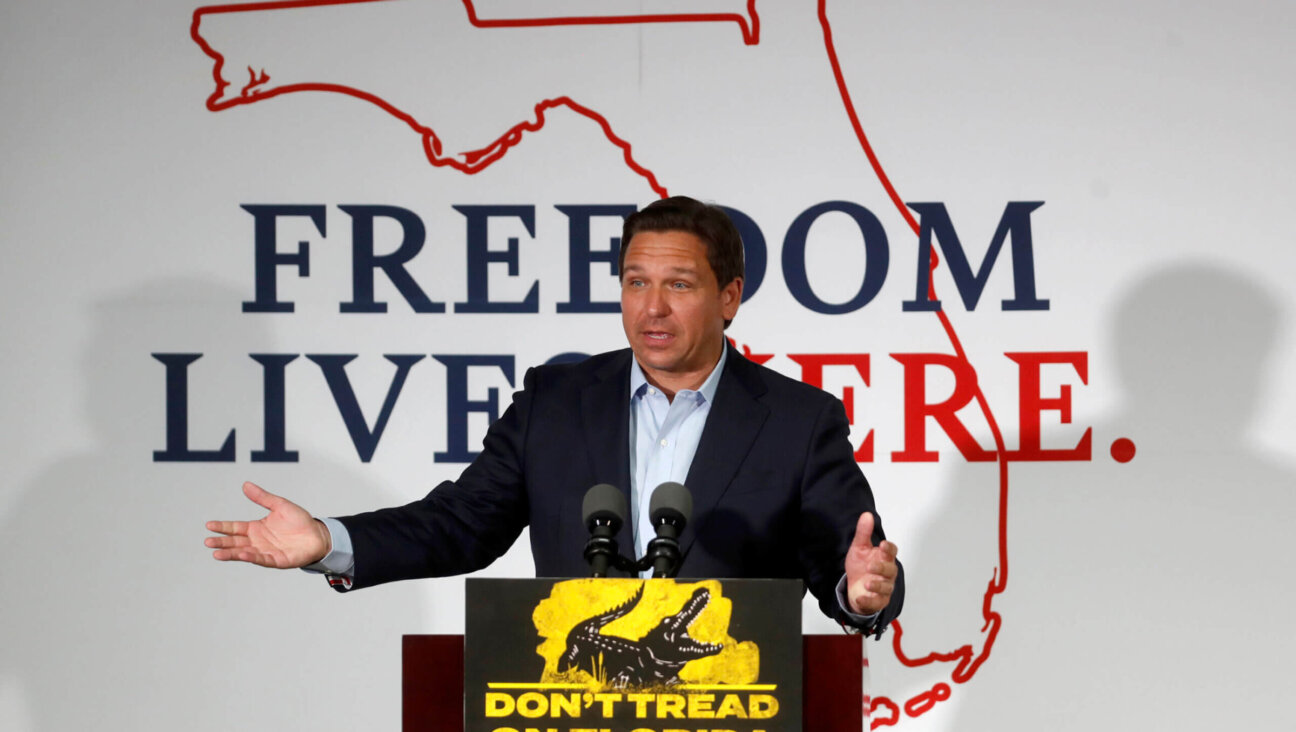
(657, 304)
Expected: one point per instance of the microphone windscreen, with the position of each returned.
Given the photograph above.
(672, 501)
(604, 502)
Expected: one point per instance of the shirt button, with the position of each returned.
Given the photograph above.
(663, 443)
(652, 390)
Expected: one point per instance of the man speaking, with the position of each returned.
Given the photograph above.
(776, 490)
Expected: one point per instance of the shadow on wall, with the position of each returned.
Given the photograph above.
(1152, 594)
(115, 615)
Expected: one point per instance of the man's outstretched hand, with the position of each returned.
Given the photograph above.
(870, 570)
(288, 537)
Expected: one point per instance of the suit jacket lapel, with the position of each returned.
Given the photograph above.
(607, 436)
(736, 417)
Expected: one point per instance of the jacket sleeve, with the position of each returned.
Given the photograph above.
(461, 525)
(834, 492)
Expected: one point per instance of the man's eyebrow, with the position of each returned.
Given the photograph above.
(670, 270)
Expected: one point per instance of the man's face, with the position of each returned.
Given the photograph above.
(673, 309)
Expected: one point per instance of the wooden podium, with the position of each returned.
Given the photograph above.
(433, 684)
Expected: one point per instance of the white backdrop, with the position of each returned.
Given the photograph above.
(1140, 594)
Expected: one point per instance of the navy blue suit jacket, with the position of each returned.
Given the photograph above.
(776, 489)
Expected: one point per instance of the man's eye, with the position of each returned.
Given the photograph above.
(680, 285)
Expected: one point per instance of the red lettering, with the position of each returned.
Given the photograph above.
(1031, 404)
(917, 410)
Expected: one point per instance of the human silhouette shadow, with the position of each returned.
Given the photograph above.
(1151, 594)
(116, 616)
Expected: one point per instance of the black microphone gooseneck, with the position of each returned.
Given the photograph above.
(669, 509)
(603, 511)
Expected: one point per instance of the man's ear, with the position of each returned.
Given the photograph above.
(731, 298)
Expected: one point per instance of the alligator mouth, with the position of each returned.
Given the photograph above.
(670, 640)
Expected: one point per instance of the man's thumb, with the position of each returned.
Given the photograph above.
(864, 531)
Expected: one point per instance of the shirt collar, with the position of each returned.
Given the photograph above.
(706, 392)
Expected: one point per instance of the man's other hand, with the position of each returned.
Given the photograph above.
(870, 570)
(288, 537)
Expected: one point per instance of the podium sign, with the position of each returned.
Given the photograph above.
(632, 655)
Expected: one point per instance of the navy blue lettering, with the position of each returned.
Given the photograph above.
(568, 357)
(458, 405)
(333, 367)
(876, 252)
(267, 258)
(581, 257)
(936, 224)
(177, 416)
(364, 261)
(754, 253)
(275, 449)
(480, 257)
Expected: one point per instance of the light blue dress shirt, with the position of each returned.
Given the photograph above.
(341, 559)
(664, 436)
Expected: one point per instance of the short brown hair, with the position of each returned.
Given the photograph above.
(706, 221)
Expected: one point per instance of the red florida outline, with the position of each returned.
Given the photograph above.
(967, 664)
(475, 161)
(749, 23)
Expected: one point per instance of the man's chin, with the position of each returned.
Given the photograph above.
(656, 359)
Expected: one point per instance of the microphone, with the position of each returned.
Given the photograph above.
(603, 511)
(669, 510)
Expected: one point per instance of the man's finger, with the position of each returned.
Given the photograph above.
(227, 542)
(871, 596)
(881, 587)
(228, 555)
(260, 496)
(245, 554)
(890, 549)
(885, 569)
(863, 532)
(229, 528)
